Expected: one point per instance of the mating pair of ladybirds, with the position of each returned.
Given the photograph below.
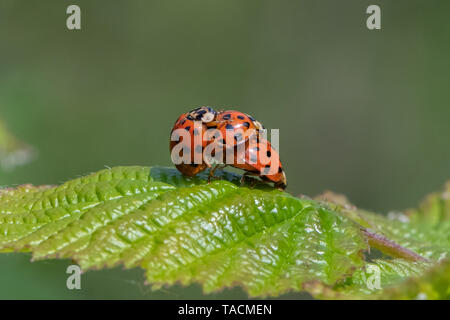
(250, 151)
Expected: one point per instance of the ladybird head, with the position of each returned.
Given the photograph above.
(203, 114)
(258, 125)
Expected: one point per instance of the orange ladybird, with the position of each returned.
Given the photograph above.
(252, 153)
(194, 122)
(259, 158)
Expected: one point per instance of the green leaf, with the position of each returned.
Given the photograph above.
(220, 235)
(434, 284)
(184, 230)
(363, 283)
(409, 248)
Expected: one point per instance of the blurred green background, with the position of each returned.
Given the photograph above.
(360, 112)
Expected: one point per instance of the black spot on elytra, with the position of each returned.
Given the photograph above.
(227, 116)
(246, 124)
(182, 122)
(269, 153)
(188, 128)
(229, 127)
(241, 117)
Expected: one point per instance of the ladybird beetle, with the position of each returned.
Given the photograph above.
(259, 158)
(252, 153)
(190, 121)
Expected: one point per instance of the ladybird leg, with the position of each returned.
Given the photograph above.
(211, 171)
(246, 174)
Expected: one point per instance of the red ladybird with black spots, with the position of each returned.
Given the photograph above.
(259, 158)
(194, 122)
(252, 153)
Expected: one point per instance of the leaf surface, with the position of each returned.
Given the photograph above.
(184, 230)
